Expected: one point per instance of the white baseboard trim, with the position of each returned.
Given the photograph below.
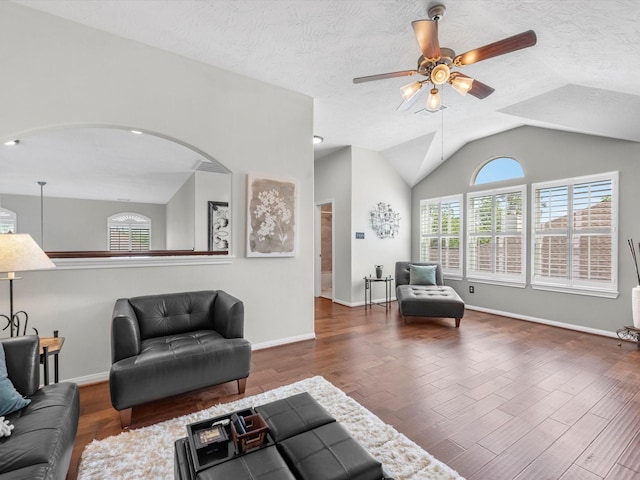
(283, 341)
(544, 321)
(103, 376)
(93, 378)
(361, 304)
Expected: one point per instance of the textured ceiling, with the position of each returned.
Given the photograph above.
(581, 76)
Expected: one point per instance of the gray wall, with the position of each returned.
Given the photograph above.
(57, 73)
(75, 224)
(546, 155)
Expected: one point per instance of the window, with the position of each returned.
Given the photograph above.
(129, 232)
(441, 233)
(575, 235)
(8, 221)
(498, 169)
(496, 236)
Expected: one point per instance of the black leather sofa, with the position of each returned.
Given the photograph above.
(40, 445)
(308, 445)
(165, 345)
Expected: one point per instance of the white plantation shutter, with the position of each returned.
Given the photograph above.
(496, 235)
(129, 232)
(441, 233)
(575, 234)
(8, 221)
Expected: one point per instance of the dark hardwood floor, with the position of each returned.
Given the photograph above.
(496, 399)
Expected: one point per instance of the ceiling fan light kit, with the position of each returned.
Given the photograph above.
(435, 63)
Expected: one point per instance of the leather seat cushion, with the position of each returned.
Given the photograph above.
(182, 358)
(293, 415)
(429, 301)
(43, 434)
(265, 464)
(329, 453)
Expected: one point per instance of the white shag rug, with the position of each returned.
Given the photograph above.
(147, 453)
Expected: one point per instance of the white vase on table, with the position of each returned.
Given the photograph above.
(635, 306)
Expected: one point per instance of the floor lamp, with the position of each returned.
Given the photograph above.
(18, 253)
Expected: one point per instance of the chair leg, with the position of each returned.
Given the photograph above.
(242, 384)
(125, 417)
(457, 322)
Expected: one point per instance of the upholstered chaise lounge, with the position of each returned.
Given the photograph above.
(420, 296)
(165, 345)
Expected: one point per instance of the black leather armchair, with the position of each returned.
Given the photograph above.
(165, 345)
(41, 442)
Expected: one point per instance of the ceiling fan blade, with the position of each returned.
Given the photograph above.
(427, 35)
(507, 45)
(382, 76)
(480, 90)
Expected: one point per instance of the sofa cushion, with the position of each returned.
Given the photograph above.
(422, 274)
(187, 361)
(293, 415)
(41, 443)
(429, 301)
(10, 399)
(328, 452)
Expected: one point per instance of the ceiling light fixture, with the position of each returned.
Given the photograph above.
(411, 90)
(440, 74)
(317, 139)
(434, 101)
(136, 132)
(461, 84)
(12, 142)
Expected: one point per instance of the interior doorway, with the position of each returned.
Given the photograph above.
(324, 250)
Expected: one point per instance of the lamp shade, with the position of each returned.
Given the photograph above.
(19, 252)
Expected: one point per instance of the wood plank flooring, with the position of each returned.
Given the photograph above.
(496, 399)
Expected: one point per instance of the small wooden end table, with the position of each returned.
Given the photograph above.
(51, 346)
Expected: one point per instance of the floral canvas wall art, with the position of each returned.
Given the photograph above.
(271, 217)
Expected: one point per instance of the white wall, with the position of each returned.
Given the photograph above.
(356, 180)
(333, 183)
(374, 181)
(57, 73)
(181, 217)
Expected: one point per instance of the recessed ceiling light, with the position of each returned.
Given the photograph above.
(317, 139)
(12, 142)
(136, 132)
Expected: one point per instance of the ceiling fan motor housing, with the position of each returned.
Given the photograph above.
(436, 12)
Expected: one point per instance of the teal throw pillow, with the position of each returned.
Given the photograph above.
(10, 399)
(422, 274)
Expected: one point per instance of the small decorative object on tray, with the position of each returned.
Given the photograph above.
(248, 431)
(214, 434)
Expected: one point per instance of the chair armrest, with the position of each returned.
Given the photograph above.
(228, 315)
(125, 331)
(22, 356)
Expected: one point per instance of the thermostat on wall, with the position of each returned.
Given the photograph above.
(359, 235)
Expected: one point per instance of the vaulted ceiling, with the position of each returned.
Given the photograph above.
(582, 75)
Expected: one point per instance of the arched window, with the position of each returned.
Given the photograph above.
(498, 169)
(8, 221)
(129, 231)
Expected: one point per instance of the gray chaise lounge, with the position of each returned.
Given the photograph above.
(436, 300)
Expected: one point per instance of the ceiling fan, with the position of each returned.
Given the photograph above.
(436, 62)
